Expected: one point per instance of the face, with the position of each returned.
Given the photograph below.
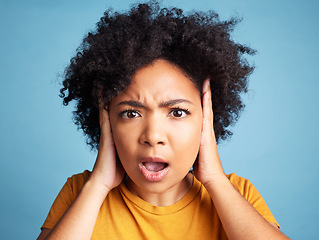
(156, 124)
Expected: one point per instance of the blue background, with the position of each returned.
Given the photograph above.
(274, 145)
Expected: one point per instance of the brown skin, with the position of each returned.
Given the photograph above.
(157, 130)
(169, 131)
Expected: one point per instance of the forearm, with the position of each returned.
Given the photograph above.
(239, 218)
(79, 220)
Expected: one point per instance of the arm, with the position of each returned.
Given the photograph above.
(239, 218)
(79, 220)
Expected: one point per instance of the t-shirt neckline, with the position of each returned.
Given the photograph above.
(142, 204)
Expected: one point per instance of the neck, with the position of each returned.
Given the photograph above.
(165, 198)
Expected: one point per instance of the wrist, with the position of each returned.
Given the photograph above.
(96, 186)
(215, 182)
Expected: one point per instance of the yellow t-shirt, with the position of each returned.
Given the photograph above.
(126, 216)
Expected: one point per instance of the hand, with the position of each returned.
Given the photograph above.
(208, 166)
(229, 203)
(107, 170)
(79, 219)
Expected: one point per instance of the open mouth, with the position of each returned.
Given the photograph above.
(155, 166)
(154, 171)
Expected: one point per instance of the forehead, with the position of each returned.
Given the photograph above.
(160, 81)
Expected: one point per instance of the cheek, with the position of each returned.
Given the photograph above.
(188, 138)
(123, 141)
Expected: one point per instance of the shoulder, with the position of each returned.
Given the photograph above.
(238, 180)
(66, 196)
(76, 182)
(243, 185)
(248, 190)
(80, 177)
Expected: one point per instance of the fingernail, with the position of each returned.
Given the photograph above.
(207, 95)
(206, 85)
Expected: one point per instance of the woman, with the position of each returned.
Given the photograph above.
(144, 82)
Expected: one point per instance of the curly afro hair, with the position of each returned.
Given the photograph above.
(198, 43)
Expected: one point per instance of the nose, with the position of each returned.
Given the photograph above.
(153, 132)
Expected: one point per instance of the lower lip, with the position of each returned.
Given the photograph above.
(153, 176)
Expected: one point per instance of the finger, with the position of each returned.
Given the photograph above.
(206, 107)
(103, 116)
(206, 88)
(103, 112)
(106, 138)
(207, 104)
(206, 125)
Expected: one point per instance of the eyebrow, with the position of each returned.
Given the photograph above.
(174, 102)
(167, 103)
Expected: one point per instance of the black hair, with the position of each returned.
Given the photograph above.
(197, 42)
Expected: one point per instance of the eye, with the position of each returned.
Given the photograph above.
(179, 113)
(129, 114)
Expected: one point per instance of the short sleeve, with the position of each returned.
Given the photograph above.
(248, 190)
(66, 196)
